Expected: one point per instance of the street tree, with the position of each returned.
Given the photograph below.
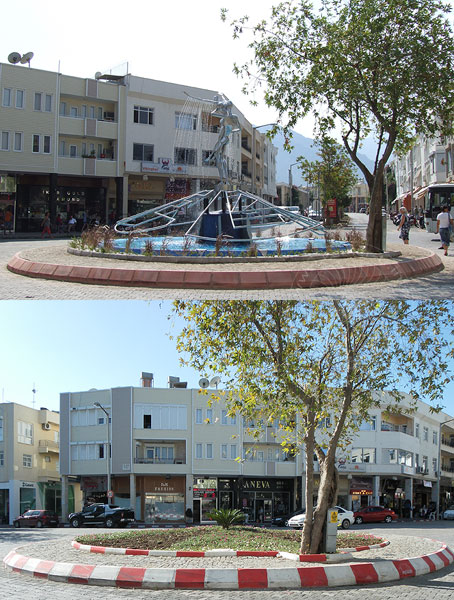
(380, 67)
(334, 174)
(302, 362)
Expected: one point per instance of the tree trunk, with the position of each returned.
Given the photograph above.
(374, 242)
(327, 496)
(306, 534)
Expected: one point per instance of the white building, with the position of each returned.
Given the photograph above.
(173, 456)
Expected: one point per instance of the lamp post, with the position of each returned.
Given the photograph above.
(97, 404)
(439, 467)
(254, 169)
(290, 181)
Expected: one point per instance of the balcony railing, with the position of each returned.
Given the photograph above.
(446, 442)
(447, 469)
(160, 461)
(48, 446)
(396, 428)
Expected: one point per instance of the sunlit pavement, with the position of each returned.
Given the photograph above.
(439, 585)
(436, 286)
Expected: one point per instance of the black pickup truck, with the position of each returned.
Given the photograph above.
(103, 515)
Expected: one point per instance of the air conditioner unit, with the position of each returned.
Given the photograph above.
(46, 426)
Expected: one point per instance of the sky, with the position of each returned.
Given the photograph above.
(180, 42)
(71, 346)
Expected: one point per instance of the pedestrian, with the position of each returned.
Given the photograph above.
(444, 224)
(404, 225)
(59, 223)
(71, 224)
(45, 224)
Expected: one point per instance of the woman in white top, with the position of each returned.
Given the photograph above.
(444, 224)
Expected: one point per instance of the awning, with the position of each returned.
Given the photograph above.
(420, 193)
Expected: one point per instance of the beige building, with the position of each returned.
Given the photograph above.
(103, 148)
(29, 461)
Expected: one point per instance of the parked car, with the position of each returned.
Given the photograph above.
(37, 518)
(104, 515)
(345, 519)
(282, 520)
(449, 512)
(374, 514)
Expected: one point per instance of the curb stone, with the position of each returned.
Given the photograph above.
(234, 579)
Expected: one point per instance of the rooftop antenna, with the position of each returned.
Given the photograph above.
(34, 392)
(27, 58)
(215, 381)
(14, 58)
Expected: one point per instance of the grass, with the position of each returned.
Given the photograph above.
(212, 537)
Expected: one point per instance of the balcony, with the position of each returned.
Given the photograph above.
(160, 461)
(405, 428)
(447, 442)
(46, 446)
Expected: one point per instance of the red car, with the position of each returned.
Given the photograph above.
(37, 518)
(374, 514)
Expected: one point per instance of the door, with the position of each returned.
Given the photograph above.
(196, 510)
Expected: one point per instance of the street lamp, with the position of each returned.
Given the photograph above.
(290, 181)
(254, 169)
(98, 405)
(439, 467)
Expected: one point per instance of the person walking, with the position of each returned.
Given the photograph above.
(404, 225)
(444, 224)
(45, 224)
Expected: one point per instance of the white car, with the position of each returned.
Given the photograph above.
(449, 513)
(344, 519)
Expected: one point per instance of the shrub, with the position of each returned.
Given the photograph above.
(227, 517)
(356, 239)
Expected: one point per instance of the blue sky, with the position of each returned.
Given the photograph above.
(69, 346)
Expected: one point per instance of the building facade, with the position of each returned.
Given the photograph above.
(175, 458)
(103, 148)
(29, 461)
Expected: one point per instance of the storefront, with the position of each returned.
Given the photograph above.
(94, 489)
(163, 499)
(204, 499)
(7, 204)
(4, 506)
(361, 491)
(27, 497)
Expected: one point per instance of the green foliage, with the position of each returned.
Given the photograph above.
(380, 67)
(227, 517)
(301, 362)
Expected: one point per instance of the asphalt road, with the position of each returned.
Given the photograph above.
(437, 286)
(439, 585)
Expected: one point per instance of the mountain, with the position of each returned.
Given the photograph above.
(303, 146)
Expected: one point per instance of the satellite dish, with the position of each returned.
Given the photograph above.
(98, 74)
(204, 382)
(27, 58)
(14, 58)
(215, 381)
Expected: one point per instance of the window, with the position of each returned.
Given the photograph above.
(99, 113)
(185, 121)
(38, 101)
(144, 152)
(62, 109)
(185, 156)
(425, 434)
(84, 111)
(143, 114)
(435, 437)
(198, 450)
(370, 425)
(101, 451)
(4, 140)
(19, 98)
(363, 455)
(392, 456)
(73, 111)
(160, 416)
(46, 145)
(425, 463)
(27, 460)
(147, 421)
(72, 151)
(35, 146)
(417, 430)
(48, 102)
(209, 418)
(1, 429)
(405, 458)
(198, 416)
(18, 141)
(209, 450)
(224, 451)
(416, 460)
(2, 458)
(24, 432)
(91, 112)
(233, 451)
(6, 97)
(62, 148)
(434, 464)
(223, 417)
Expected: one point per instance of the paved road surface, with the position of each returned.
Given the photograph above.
(439, 586)
(436, 286)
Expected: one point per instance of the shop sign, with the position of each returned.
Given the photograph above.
(163, 167)
(204, 493)
(256, 484)
(428, 483)
(408, 470)
(343, 466)
(205, 484)
(93, 484)
(361, 485)
(163, 487)
(331, 206)
(26, 484)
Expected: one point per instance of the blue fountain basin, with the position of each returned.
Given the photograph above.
(180, 246)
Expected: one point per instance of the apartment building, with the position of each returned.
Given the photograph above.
(99, 149)
(173, 456)
(29, 461)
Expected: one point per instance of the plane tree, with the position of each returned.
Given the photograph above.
(301, 362)
(380, 67)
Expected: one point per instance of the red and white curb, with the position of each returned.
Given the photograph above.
(329, 558)
(274, 578)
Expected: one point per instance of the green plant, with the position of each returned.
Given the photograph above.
(226, 517)
(148, 248)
